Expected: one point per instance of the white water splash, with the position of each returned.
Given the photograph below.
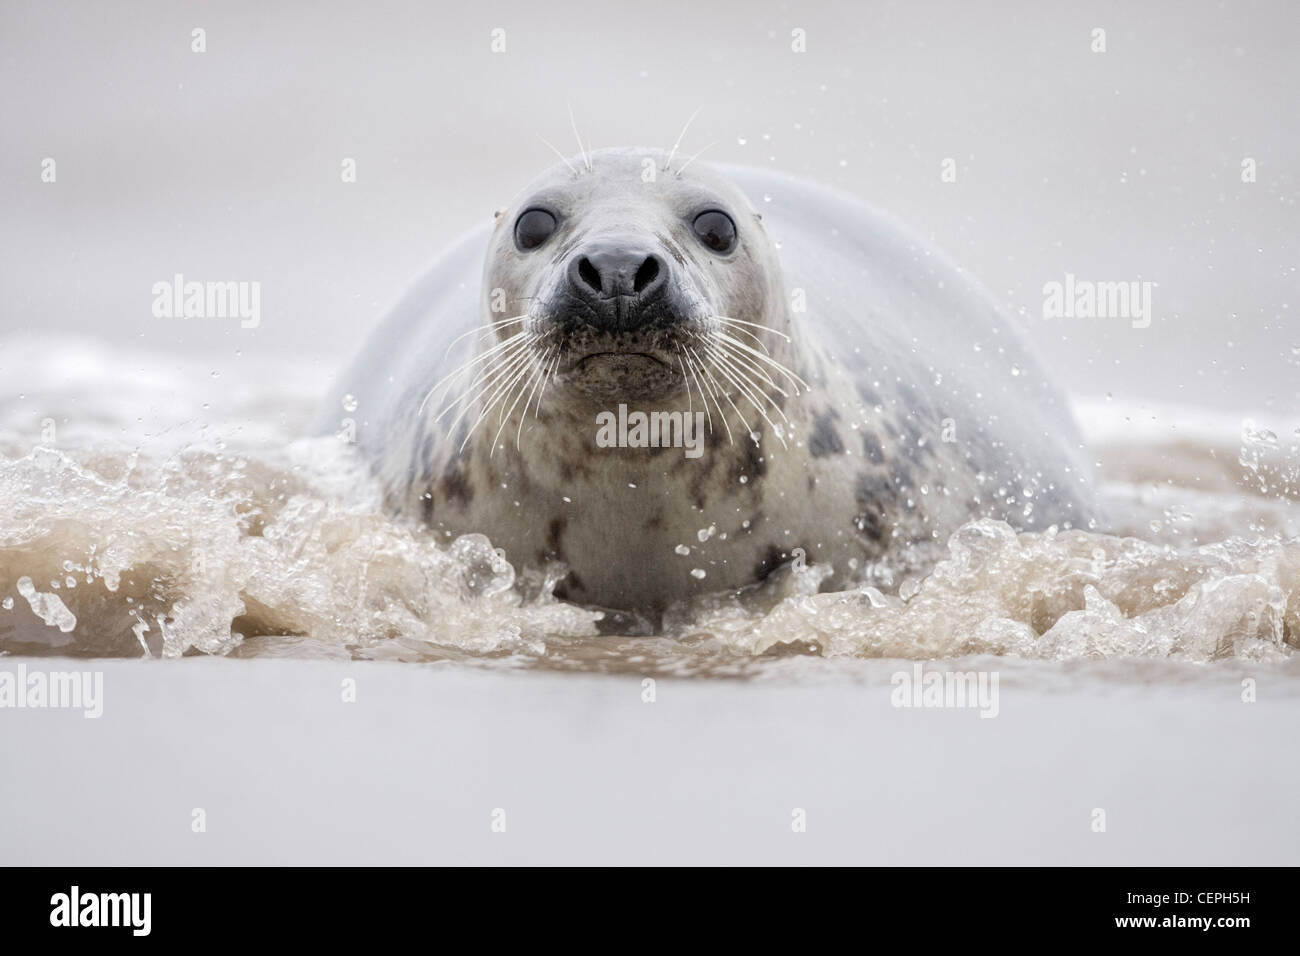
(47, 607)
(247, 543)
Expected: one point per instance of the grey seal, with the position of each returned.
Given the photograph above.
(859, 397)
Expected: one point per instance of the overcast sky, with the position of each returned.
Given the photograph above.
(1123, 165)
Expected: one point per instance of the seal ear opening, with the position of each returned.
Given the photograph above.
(498, 213)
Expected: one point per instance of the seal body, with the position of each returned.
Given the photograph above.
(858, 397)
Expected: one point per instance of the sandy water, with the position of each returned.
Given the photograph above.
(151, 506)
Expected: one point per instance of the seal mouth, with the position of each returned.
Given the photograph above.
(611, 376)
(630, 359)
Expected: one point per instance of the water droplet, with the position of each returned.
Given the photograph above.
(1251, 435)
(47, 607)
(698, 574)
(682, 550)
(349, 403)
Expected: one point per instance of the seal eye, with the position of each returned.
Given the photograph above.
(716, 230)
(533, 228)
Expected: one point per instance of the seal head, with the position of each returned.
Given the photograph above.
(629, 272)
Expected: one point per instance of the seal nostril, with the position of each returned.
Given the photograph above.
(587, 272)
(648, 272)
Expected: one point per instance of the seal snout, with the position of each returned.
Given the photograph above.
(608, 271)
(620, 286)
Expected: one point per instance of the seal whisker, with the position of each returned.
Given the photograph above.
(739, 330)
(708, 377)
(743, 362)
(489, 355)
(521, 365)
(692, 159)
(547, 381)
(729, 376)
(703, 398)
(541, 377)
(526, 370)
(690, 401)
(513, 341)
(582, 149)
(467, 401)
(497, 398)
(673, 152)
(727, 395)
(487, 334)
(744, 378)
(563, 159)
(773, 363)
(736, 377)
(754, 325)
(497, 373)
(491, 326)
(531, 380)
